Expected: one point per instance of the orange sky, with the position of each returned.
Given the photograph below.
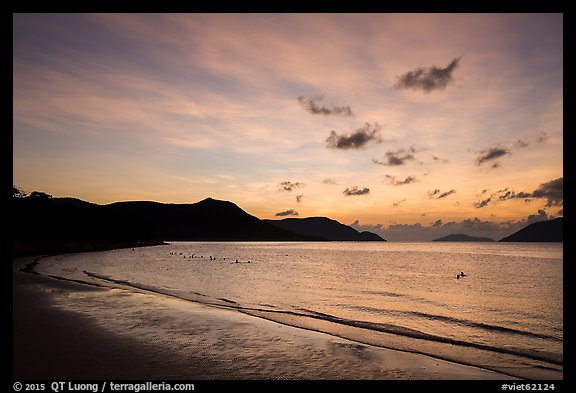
(395, 121)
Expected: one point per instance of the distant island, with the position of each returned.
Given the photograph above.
(44, 224)
(463, 238)
(542, 231)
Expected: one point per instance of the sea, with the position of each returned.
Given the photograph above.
(505, 314)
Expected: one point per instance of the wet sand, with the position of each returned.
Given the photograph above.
(66, 330)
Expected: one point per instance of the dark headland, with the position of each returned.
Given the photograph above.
(325, 228)
(463, 238)
(542, 231)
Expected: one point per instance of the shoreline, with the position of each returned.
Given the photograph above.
(60, 330)
(40, 248)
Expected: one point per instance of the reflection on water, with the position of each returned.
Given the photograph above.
(505, 314)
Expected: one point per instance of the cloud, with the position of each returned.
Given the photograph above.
(540, 138)
(398, 157)
(437, 194)
(492, 154)
(521, 143)
(440, 160)
(540, 216)
(356, 191)
(299, 198)
(329, 180)
(313, 106)
(428, 79)
(500, 195)
(289, 186)
(399, 202)
(290, 212)
(445, 194)
(432, 194)
(356, 140)
(552, 191)
(507, 194)
(439, 228)
(392, 180)
(482, 203)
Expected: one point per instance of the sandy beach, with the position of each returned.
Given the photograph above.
(67, 330)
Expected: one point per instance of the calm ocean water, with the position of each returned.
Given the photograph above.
(505, 315)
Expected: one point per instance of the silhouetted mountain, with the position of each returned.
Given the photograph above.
(39, 218)
(366, 236)
(463, 238)
(209, 219)
(58, 223)
(43, 225)
(75, 202)
(542, 231)
(325, 228)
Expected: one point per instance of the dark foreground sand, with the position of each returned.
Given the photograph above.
(64, 330)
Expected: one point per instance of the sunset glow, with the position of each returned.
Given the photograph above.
(408, 125)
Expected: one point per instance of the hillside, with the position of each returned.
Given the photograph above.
(44, 224)
(324, 227)
(208, 219)
(542, 231)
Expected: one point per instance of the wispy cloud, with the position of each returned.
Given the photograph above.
(392, 180)
(500, 195)
(353, 191)
(542, 136)
(428, 79)
(299, 198)
(521, 143)
(440, 160)
(329, 180)
(397, 158)
(289, 186)
(552, 191)
(399, 202)
(492, 154)
(437, 194)
(313, 106)
(290, 212)
(482, 203)
(355, 140)
(445, 194)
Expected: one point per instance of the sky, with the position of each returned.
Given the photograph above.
(412, 126)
